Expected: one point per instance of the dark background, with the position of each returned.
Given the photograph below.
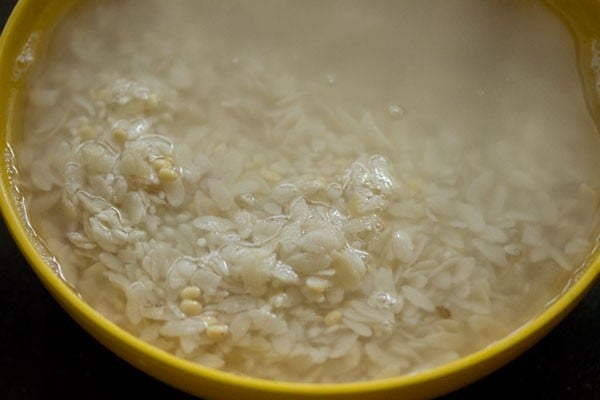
(45, 355)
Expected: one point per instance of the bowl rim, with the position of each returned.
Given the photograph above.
(26, 19)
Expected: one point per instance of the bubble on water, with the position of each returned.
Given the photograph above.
(384, 300)
(26, 57)
(395, 110)
(331, 79)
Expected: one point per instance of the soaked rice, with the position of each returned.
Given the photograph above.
(248, 215)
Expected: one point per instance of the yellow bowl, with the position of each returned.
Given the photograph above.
(24, 35)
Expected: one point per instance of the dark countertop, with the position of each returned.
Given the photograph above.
(44, 354)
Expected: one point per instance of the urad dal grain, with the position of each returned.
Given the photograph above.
(252, 204)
